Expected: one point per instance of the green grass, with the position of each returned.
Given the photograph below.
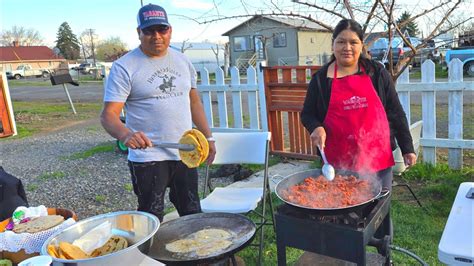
(128, 187)
(25, 83)
(415, 229)
(36, 117)
(51, 175)
(31, 187)
(415, 73)
(101, 148)
(100, 198)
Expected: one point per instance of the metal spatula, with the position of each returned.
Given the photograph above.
(328, 170)
(179, 146)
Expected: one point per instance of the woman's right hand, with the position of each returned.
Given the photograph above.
(318, 137)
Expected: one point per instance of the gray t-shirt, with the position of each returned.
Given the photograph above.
(156, 96)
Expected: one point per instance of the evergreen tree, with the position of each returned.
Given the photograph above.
(67, 42)
(411, 27)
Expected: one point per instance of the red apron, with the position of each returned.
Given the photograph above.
(358, 134)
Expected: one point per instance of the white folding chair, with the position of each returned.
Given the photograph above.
(239, 148)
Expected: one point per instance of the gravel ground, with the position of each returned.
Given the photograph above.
(89, 186)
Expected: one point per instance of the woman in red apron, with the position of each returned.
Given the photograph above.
(352, 110)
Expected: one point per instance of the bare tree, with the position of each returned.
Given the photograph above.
(20, 35)
(215, 51)
(439, 15)
(185, 45)
(88, 39)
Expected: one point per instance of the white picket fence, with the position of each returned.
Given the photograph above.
(230, 95)
(247, 101)
(456, 89)
(248, 108)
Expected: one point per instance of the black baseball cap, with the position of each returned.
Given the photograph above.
(150, 15)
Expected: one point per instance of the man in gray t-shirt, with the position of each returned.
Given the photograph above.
(157, 87)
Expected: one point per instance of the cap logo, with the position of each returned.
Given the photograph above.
(153, 14)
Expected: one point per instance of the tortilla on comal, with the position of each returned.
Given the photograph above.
(216, 246)
(212, 234)
(182, 245)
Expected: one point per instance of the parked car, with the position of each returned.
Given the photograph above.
(26, 70)
(379, 50)
(87, 68)
(466, 55)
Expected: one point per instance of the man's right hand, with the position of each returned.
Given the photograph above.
(136, 140)
(318, 137)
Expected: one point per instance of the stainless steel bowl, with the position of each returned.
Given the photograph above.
(137, 227)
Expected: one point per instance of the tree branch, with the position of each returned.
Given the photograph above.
(348, 6)
(320, 8)
(369, 16)
(308, 17)
(443, 20)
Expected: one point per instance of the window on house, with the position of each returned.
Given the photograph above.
(279, 39)
(242, 43)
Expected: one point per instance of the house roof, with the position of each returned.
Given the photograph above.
(27, 53)
(297, 23)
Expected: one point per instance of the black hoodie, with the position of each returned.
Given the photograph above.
(319, 90)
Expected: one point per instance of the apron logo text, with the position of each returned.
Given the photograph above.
(355, 102)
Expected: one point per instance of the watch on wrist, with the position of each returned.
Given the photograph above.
(211, 138)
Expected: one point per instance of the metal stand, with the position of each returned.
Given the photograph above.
(338, 241)
(63, 79)
(396, 184)
(69, 98)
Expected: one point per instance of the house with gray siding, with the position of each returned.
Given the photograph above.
(279, 41)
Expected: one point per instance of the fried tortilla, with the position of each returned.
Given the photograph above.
(197, 156)
(115, 243)
(53, 251)
(71, 252)
(203, 143)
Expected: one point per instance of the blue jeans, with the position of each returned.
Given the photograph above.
(150, 180)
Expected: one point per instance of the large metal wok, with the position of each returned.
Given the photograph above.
(297, 178)
(241, 228)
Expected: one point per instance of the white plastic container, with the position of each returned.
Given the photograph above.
(37, 261)
(456, 246)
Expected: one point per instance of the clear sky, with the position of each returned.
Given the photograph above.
(112, 18)
(117, 18)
